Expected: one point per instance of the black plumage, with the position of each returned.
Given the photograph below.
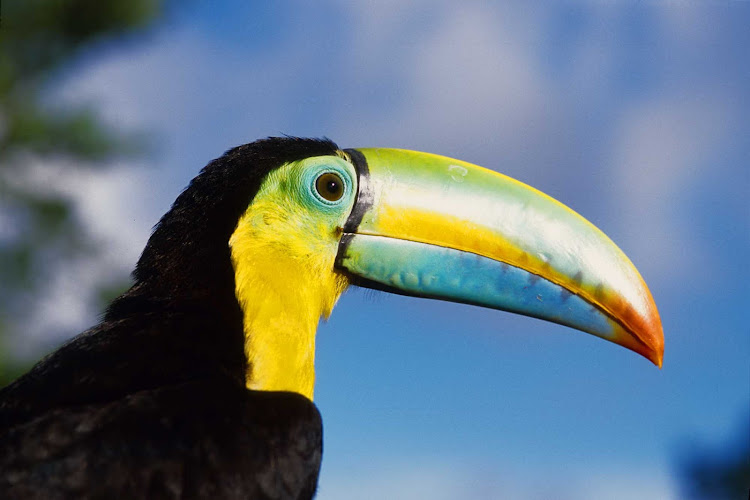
(151, 403)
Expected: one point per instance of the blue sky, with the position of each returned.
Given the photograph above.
(635, 114)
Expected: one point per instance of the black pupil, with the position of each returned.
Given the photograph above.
(330, 186)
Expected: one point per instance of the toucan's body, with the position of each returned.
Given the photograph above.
(199, 381)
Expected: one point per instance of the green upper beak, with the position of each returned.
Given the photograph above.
(432, 226)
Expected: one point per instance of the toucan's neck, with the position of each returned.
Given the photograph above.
(280, 340)
(282, 297)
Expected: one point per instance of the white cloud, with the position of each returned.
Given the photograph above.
(466, 75)
(144, 85)
(474, 77)
(662, 147)
(108, 202)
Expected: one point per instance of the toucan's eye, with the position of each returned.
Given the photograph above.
(330, 186)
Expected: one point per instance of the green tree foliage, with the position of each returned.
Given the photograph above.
(41, 40)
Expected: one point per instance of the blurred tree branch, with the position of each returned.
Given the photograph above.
(39, 41)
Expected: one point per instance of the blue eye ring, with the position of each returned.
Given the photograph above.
(329, 187)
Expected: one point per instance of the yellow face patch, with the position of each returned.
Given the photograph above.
(283, 252)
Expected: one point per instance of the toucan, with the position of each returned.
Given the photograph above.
(198, 382)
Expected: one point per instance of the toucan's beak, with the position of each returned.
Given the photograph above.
(431, 226)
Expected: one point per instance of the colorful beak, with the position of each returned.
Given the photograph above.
(431, 226)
